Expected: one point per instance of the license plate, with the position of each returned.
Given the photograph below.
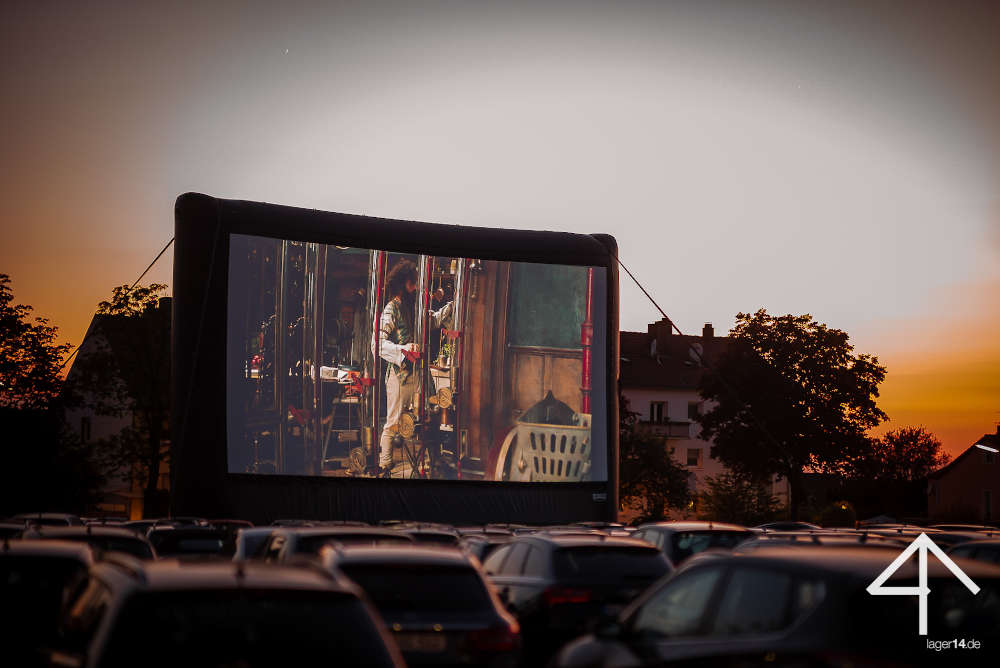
(421, 642)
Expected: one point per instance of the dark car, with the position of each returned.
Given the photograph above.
(188, 541)
(436, 601)
(11, 529)
(813, 538)
(807, 606)
(162, 613)
(788, 526)
(287, 544)
(980, 550)
(442, 537)
(33, 576)
(250, 542)
(558, 585)
(48, 519)
(964, 527)
(100, 538)
(482, 545)
(680, 540)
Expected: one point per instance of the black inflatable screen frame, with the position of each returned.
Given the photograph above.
(202, 485)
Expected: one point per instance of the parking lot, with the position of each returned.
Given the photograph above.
(195, 591)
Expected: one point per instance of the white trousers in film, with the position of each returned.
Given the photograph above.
(397, 397)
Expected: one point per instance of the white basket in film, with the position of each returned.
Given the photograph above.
(555, 453)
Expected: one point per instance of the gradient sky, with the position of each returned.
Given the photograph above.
(834, 158)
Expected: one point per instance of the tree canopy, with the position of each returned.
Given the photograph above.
(649, 479)
(788, 396)
(30, 356)
(905, 454)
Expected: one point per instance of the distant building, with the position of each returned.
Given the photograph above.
(660, 374)
(966, 489)
(123, 491)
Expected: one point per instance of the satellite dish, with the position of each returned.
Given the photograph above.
(696, 352)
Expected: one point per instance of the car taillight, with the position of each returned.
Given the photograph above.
(559, 595)
(495, 639)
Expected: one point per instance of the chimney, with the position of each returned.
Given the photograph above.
(664, 329)
(708, 331)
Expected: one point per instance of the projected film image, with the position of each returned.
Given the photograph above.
(353, 362)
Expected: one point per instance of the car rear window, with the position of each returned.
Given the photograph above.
(399, 587)
(312, 544)
(687, 543)
(434, 538)
(607, 562)
(244, 628)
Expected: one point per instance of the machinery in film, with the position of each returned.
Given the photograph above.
(352, 362)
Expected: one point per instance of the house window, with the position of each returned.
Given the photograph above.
(990, 457)
(694, 457)
(693, 410)
(85, 429)
(987, 505)
(657, 412)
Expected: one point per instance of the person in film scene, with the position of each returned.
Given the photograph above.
(396, 346)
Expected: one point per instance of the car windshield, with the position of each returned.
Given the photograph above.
(244, 628)
(406, 587)
(603, 563)
(687, 543)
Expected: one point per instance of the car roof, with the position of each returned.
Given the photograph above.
(988, 542)
(412, 556)
(47, 548)
(694, 526)
(178, 575)
(852, 561)
(105, 531)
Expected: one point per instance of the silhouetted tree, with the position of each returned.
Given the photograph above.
(649, 479)
(736, 497)
(30, 357)
(904, 455)
(789, 396)
(43, 465)
(126, 371)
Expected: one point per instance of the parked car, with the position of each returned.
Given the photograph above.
(33, 576)
(250, 542)
(188, 541)
(482, 545)
(286, 544)
(799, 539)
(48, 519)
(100, 538)
(436, 601)
(218, 613)
(557, 585)
(680, 540)
(433, 536)
(788, 526)
(964, 527)
(980, 550)
(11, 529)
(806, 606)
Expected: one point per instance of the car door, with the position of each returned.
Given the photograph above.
(674, 617)
(509, 575)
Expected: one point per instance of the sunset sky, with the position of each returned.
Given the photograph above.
(832, 158)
